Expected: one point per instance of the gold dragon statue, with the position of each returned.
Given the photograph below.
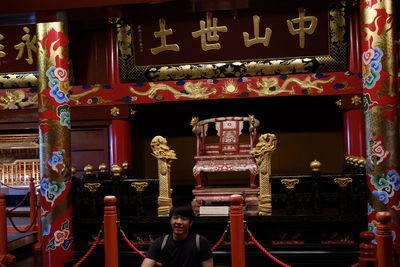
(262, 153)
(164, 157)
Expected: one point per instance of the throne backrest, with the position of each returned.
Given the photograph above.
(228, 131)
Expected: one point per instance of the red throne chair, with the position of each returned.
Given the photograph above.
(229, 154)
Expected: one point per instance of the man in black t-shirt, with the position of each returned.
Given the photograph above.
(182, 248)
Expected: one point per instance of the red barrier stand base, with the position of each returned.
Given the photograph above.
(8, 258)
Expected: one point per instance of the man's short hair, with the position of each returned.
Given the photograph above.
(183, 210)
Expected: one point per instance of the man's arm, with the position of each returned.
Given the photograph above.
(207, 263)
(150, 263)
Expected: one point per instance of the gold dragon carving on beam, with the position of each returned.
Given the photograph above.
(192, 90)
(76, 97)
(270, 86)
(17, 97)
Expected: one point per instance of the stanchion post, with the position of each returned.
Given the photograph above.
(367, 250)
(110, 232)
(32, 201)
(37, 247)
(4, 256)
(384, 240)
(237, 231)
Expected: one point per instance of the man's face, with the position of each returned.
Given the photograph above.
(180, 226)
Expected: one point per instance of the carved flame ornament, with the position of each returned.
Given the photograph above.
(262, 154)
(164, 157)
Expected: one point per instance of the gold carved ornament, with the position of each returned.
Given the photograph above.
(88, 169)
(15, 97)
(116, 169)
(251, 123)
(114, 111)
(262, 153)
(270, 86)
(290, 183)
(92, 186)
(343, 182)
(192, 90)
(139, 186)
(164, 157)
(194, 123)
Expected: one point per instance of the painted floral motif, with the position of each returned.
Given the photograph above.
(56, 162)
(368, 102)
(370, 209)
(59, 89)
(61, 238)
(379, 151)
(64, 115)
(46, 230)
(371, 67)
(51, 189)
(386, 186)
(382, 196)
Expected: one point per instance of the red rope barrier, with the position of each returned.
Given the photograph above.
(133, 247)
(27, 228)
(15, 188)
(90, 250)
(20, 203)
(355, 265)
(2, 265)
(219, 241)
(267, 253)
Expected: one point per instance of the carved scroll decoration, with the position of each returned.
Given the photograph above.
(262, 154)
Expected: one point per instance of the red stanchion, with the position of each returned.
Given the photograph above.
(384, 240)
(367, 249)
(4, 255)
(237, 231)
(32, 201)
(110, 232)
(37, 247)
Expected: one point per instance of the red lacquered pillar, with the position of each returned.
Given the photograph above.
(354, 133)
(120, 142)
(367, 249)
(380, 96)
(4, 256)
(110, 232)
(55, 143)
(112, 47)
(237, 231)
(384, 240)
(354, 45)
